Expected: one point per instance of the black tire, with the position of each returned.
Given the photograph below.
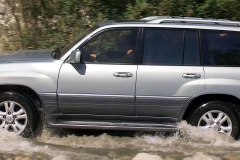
(216, 107)
(29, 124)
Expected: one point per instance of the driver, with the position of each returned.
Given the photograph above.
(125, 55)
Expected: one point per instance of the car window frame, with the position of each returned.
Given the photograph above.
(202, 50)
(142, 45)
(136, 54)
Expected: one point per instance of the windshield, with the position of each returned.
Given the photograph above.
(71, 44)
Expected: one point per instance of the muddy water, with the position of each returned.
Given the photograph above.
(188, 143)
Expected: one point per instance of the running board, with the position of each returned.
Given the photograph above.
(115, 126)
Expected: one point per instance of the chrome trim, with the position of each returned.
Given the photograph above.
(162, 97)
(93, 95)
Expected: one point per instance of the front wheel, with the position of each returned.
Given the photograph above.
(17, 114)
(216, 115)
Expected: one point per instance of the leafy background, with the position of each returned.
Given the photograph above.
(44, 24)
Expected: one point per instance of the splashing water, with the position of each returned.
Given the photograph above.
(10, 143)
(187, 142)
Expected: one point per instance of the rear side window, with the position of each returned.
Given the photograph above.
(163, 47)
(220, 47)
(173, 47)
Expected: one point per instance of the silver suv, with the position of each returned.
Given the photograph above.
(130, 75)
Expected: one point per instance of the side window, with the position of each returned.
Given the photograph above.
(111, 46)
(191, 48)
(220, 47)
(163, 46)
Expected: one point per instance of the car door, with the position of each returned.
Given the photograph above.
(170, 73)
(104, 82)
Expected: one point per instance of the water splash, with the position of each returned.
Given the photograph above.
(14, 144)
(186, 135)
(188, 141)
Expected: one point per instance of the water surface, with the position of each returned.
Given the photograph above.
(187, 143)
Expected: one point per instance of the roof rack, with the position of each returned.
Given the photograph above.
(195, 20)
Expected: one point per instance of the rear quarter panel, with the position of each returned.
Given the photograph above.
(222, 80)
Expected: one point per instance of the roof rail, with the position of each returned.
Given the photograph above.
(176, 19)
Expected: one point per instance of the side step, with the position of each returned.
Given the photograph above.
(115, 125)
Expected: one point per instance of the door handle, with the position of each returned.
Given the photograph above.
(123, 74)
(191, 75)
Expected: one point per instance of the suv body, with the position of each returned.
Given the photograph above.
(181, 68)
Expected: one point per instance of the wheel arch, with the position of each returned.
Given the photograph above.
(30, 93)
(211, 97)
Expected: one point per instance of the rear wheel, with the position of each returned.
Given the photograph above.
(17, 114)
(216, 115)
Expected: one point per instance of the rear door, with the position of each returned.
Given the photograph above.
(170, 72)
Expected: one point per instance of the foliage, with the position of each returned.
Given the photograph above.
(51, 23)
(221, 9)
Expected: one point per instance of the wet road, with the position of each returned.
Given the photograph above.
(187, 144)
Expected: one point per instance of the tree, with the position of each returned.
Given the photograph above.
(48, 24)
(220, 9)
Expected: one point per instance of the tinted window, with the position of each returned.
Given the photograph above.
(163, 46)
(220, 47)
(191, 48)
(112, 46)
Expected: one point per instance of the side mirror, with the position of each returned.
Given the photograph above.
(75, 56)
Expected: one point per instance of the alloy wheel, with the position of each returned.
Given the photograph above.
(216, 120)
(13, 117)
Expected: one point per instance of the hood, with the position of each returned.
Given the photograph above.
(29, 55)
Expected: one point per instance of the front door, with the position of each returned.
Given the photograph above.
(104, 82)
